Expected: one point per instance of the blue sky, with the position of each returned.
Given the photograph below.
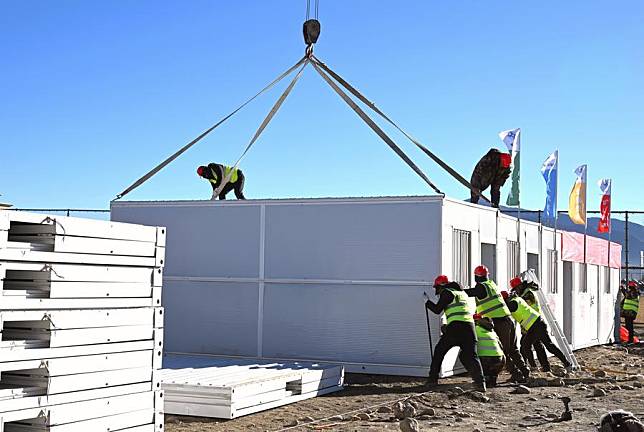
(96, 93)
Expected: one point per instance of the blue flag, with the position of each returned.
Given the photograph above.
(549, 171)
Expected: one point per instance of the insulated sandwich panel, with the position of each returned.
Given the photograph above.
(211, 317)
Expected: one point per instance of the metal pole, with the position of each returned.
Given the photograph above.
(429, 330)
(626, 242)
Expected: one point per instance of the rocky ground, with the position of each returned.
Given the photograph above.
(612, 377)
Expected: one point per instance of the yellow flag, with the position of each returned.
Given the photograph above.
(577, 200)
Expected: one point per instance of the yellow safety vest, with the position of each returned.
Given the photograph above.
(492, 306)
(488, 344)
(233, 177)
(525, 315)
(533, 304)
(631, 304)
(458, 309)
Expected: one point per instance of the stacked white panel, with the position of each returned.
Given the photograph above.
(81, 327)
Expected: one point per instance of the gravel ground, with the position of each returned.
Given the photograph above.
(612, 377)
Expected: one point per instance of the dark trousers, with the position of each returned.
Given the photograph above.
(462, 335)
(628, 323)
(238, 187)
(507, 332)
(495, 192)
(539, 332)
(541, 353)
(492, 367)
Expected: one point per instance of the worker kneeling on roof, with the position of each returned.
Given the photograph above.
(491, 171)
(217, 173)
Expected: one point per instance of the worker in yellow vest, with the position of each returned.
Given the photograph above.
(630, 308)
(459, 331)
(489, 349)
(535, 329)
(216, 173)
(526, 291)
(490, 304)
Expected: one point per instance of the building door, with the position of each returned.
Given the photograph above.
(593, 293)
(567, 300)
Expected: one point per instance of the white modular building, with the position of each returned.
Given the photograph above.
(341, 280)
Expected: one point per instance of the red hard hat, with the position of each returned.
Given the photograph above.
(477, 316)
(441, 280)
(481, 271)
(200, 171)
(505, 295)
(506, 160)
(515, 282)
(632, 284)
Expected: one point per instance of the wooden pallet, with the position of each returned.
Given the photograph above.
(139, 411)
(228, 388)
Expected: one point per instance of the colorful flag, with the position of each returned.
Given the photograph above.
(549, 172)
(512, 139)
(577, 200)
(604, 221)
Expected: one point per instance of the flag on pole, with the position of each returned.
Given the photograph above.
(577, 200)
(604, 220)
(512, 139)
(549, 172)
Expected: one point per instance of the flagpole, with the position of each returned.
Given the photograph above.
(556, 201)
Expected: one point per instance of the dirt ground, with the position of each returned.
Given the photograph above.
(612, 377)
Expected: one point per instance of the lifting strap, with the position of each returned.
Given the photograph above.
(163, 164)
(424, 149)
(261, 128)
(374, 127)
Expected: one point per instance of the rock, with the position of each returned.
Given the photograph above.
(558, 370)
(599, 392)
(478, 397)
(423, 417)
(637, 384)
(537, 382)
(558, 382)
(458, 390)
(533, 399)
(363, 416)
(353, 418)
(413, 403)
(427, 412)
(600, 374)
(462, 414)
(521, 390)
(335, 418)
(292, 423)
(477, 430)
(614, 388)
(307, 419)
(409, 425)
(639, 378)
(403, 410)
(628, 387)
(384, 410)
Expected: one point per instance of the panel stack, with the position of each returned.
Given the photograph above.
(81, 327)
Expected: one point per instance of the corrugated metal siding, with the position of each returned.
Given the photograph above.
(210, 317)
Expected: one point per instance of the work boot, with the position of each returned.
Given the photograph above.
(518, 377)
(431, 382)
(480, 386)
(545, 368)
(490, 381)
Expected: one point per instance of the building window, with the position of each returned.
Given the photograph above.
(533, 263)
(553, 286)
(606, 279)
(583, 286)
(513, 259)
(461, 257)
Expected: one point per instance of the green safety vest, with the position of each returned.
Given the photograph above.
(631, 304)
(458, 309)
(233, 177)
(492, 306)
(533, 304)
(525, 315)
(488, 343)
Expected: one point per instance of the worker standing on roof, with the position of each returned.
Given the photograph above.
(216, 173)
(526, 291)
(459, 331)
(491, 171)
(535, 328)
(490, 304)
(630, 308)
(489, 349)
